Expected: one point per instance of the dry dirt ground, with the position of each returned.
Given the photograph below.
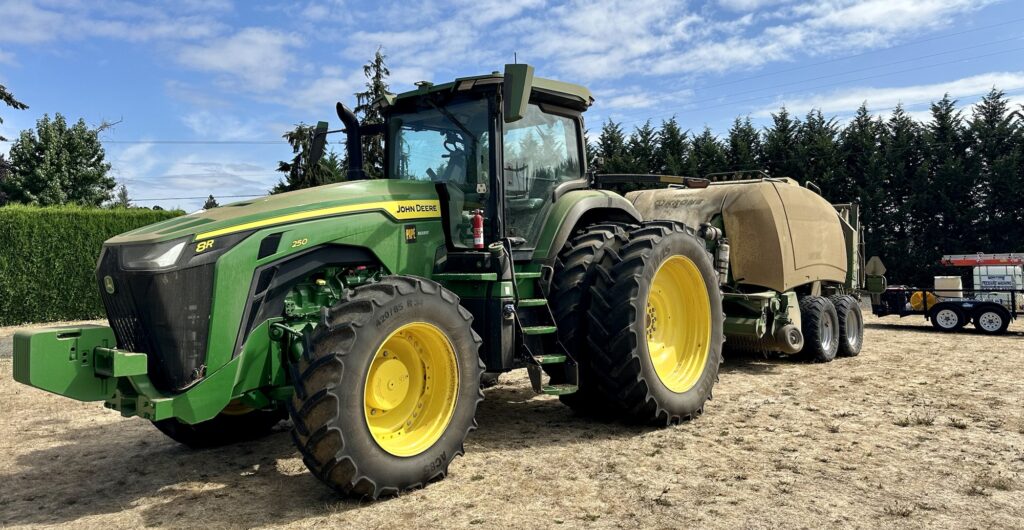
(921, 430)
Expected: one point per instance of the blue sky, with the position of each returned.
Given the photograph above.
(204, 89)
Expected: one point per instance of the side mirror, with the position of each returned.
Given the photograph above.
(515, 91)
(318, 142)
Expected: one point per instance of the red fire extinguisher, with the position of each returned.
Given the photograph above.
(478, 229)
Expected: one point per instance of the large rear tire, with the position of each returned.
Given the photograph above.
(820, 325)
(387, 388)
(570, 299)
(655, 325)
(851, 325)
(234, 425)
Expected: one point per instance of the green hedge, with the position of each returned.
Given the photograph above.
(48, 259)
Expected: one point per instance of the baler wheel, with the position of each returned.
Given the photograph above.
(851, 324)
(820, 325)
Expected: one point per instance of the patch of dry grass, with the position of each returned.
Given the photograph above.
(782, 444)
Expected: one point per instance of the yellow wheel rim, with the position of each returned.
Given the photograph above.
(411, 389)
(678, 323)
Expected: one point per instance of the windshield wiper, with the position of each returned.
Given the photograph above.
(455, 121)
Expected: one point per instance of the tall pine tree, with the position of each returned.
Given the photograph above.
(376, 72)
(780, 146)
(643, 149)
(996, 138)
(744, 146)
(673, 149)
(708, 154)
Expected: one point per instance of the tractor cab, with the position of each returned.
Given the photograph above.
(501, 147)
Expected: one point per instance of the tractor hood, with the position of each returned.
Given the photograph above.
(400, 199)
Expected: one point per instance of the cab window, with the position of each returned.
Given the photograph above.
(540, 152)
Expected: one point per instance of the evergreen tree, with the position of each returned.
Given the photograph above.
(376, 72)
(611, 147)
(643, 149)
(817, 151)
(708, 154)
(301, 172)
(121, 200)
(58, 164)
(673, 151)
(996, 137)
(8, 99)
(744, 146)
(210, 203)
(780, 146)
(948, 203)
(864, 179)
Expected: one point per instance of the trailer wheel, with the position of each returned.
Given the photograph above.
(948, 318)
(387, 387)
(851, 325)
(570, 298)
(992, 320)
(820, 325)
(235, 424)
(656, 325)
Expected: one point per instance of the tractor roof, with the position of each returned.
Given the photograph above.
(572, 95)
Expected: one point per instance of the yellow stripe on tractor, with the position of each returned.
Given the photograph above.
(398, 210)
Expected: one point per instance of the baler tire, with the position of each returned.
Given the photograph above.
(622, 332)
(847, 307)
(344, 391)
(223, 429)
(820, 326)
(569, 300)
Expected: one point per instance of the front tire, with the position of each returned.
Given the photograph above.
(655, 325)
(387, 388)
(820, 325)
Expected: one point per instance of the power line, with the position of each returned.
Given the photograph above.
(827, 85)
(204, 197)
(861, 54)
(869, 68)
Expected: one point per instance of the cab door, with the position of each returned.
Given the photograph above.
(540, 152)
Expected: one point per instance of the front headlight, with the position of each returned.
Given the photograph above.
(152, 257)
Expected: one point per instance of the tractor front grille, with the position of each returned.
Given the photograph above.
(165, 315)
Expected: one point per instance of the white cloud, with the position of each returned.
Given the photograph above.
(210, 126)
(749, 5)
(848, 99)
(255, 59)
(7, 58)
(34, 22)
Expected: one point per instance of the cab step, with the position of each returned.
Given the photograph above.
(550, 358)
(539, 330)
(559, 390)
(532, 302)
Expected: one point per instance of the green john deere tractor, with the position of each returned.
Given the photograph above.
(367, 311)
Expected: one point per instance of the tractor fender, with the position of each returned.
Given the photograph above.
(580, 208)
